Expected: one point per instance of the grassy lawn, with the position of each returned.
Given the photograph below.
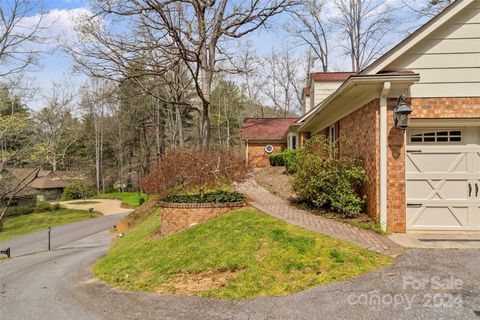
(27, 223)
(131, 199)
(240, 255)
(84, 202)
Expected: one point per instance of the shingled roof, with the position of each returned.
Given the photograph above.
(47, 179)
(266, 128)
(331, 76)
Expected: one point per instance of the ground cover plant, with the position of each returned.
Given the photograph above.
(243, 254)
(218, 196)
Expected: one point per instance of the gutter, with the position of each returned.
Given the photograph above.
(350, 83)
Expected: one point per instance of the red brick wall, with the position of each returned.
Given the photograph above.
(359, 139)
(257, 157)
(303, 136)
(176, 219)
(423, 108)
(436, 108)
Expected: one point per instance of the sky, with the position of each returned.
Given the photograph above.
(60, 15)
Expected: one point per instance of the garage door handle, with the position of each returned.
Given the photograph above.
(414, 205)
(476, 189)
(469, 189)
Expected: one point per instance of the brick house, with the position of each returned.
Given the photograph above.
(264, 136)
(426, 178)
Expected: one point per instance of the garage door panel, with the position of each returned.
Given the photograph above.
(437, 189)
(429, 162)
(441, 177)
(431, 217)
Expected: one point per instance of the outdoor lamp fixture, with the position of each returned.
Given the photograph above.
(401, 113)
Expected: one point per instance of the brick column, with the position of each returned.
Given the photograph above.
(302, 136)
(396, 184)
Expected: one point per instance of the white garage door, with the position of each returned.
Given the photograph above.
(443, 179)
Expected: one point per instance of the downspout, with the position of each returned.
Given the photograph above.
(246, 152)
(383, 154)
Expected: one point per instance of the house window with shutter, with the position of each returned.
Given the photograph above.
(333, 135)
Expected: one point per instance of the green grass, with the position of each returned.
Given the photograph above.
(256, 254)
(131, 199)
(19, 225)
(84, 202)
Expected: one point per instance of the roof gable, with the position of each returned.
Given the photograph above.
(420, 34)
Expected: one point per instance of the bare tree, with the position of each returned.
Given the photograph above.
(16, 38)
(312, 29)
(429, 9)
(249, 66)
(96, 98)
(365, 23)
(192, 31)
(56, 128)
(284, 86)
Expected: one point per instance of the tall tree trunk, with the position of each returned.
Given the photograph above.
(179, 125)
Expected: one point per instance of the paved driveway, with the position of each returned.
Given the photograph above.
(59, 285)
(105, 206)
(60, 236)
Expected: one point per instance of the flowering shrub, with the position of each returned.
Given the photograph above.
(184, 171)
(328, 182)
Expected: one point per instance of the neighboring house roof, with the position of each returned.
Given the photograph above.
(266, 128)
(420, 34)
(47, 179)
(331, 76)
(8, 182)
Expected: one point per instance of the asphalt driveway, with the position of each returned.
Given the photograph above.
(60, 236)
(423, 284)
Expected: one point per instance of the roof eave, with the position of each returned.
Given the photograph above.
(351, 82)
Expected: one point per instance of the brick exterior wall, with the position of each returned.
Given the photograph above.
(359, 139)
(257, 157)
(423, 108)
(302, 136)
(177, 217)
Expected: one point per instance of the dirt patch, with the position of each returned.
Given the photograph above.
(275, 180)
(188, 284)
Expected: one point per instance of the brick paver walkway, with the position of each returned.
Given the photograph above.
(279, 208)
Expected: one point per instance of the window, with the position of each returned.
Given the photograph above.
(332, 134)
(294, 142)
(437, 136)
(269, 148)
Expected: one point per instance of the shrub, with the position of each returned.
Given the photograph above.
(328, 182)
(44, 206)
(77, 190)
(276, 160)
(18, 211)
(286, 159)
(289, 156)
(39, 207)
(219, 196)
(183, 171)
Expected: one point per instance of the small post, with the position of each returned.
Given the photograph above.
(49, 232)
(90, 210)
